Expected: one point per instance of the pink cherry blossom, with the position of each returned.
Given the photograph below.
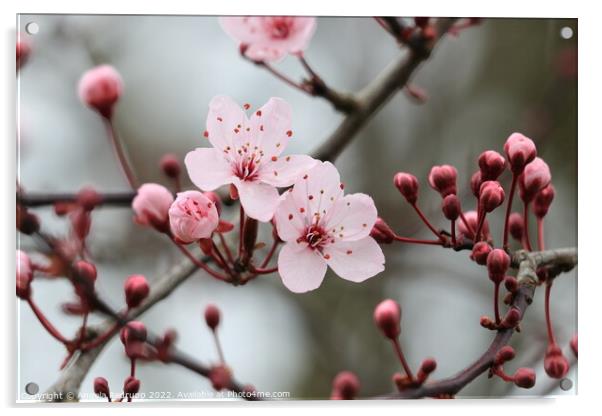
(322, 227)
(270, 38)
(246, 153)
(192, 216)
(100, 88)
(151, 204)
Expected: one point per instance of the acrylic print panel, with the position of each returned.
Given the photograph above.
(242, 207)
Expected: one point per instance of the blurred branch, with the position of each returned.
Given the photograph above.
(120, 199)
(527, 264)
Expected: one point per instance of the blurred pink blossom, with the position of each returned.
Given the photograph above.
(192, 216)
(100, 88)
(151, 204)
(321, 227)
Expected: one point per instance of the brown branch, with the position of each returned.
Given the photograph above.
(119, 199)
(527, 264)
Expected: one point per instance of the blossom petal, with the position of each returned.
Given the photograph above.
(207, 168)
(303, 30)
(226, 124)
(245, 29)
(355, 260)
(258, 199)
(352, 217)
(300, 268)
(285, 170)
(290, 223)
(271, 127)
(318, 190)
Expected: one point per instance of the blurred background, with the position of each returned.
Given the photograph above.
(502, 76)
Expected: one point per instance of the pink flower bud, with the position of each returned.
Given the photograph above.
(170, 165)
(506, 353)
(524, 377)
(101, 387)
(512, 318)
(220, 377)
(382, 233)
(136, 290)
(451, 207)
(574, 344)
(511, 284)
(516, 224)
(212, 316)
(345, 386)
(475, 183)
(443, 179)
(491, 195)
(491, 164)
(498, 263)
(23, 52)
(520, 150)
(24, 275)
(134, 331)
(555, 363)
(487, 322)
(151, 205)
(387, 316)
(131, 386)
(192, 217)
(535, 177)
(88, 198)
(85, 270)
(480, 252)
(543, 200)
(100, 88)
(407, 185)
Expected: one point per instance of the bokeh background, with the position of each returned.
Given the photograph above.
(502, 76)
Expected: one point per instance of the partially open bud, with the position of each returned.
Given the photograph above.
(574, 344)
(345, 386)
(543, 200)
(451, 207)
(535, 177)
(131, 387)
(524, 377)
(192, 217)
(480, 252)
(520, 150)
(555, 363)
(136, 290)
(498, 263)
(512, 318)
(100, 88)
(101, 387)
(387, 316)
(170, 165)
(151, 206)
(443, 179)
(492, 165)
(516, 224)
(24, 275)
(212, 316)
(220, 377)
(214, 197)
(475, 183)
(407, 185)
(506, 353)
(382, 233)
(491, 195)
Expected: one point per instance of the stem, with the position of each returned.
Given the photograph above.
(498, 371)
(496, 302)
(477, 237)
(133, 367)
(308, 68)
(218, 346)
(260, 270)
(242, 227)
(551, 338)
(453, 232)
(121, 154)
(100, 339)
(467, 224)
(226, 248)
(221, 259)
(508, 209)
(417, 241)
(46, 323)
(281, 76)
(402, 359)
(200, 264)
(540, 235)
(426, 221)
(268, 257)
(526, 225)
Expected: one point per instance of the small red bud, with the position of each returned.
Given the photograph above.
(407, 185)
(498, 263)
(555, 363)
(535, 177)
(491, 195)
(491, 165)
(443, 179)
(487, 322)
(520, 150)
(506, 353)
(387, 316)
(480, 252)
(516, 225)
(524, 377)
(136, 290)
(170, 165)
(451, 207)
(212, 316)
(88, 198)
(345, 385)
(543, 200)
(101, 387)
(427, 367)
(131, 386)
(382, 233)
(511, 284)
(512, 318)
(475, 183)
(85, 270)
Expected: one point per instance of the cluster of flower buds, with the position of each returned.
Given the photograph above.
(131, 387)
(523, 377)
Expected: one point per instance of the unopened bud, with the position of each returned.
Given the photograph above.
(131, 386)
(512, 318)
(555, 363)
(387, 316)
(134, 331)
(516, 224)
(170, 165)
(491, 165)
(475, 183)
(535, 177)
(427, 367)
(85, 270)
(498, 263)
(451, 207)
(520, 150)
(101, 387)
(346, 385)
(443, 179)
(480, 252)
(382, 233)
(487, 322)
(88, 198)
(100, 88)
(407, 185)
(524, 377)
(212, 316)
(506, 353)
(543, 200)
(136, 290)
(491, 195)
